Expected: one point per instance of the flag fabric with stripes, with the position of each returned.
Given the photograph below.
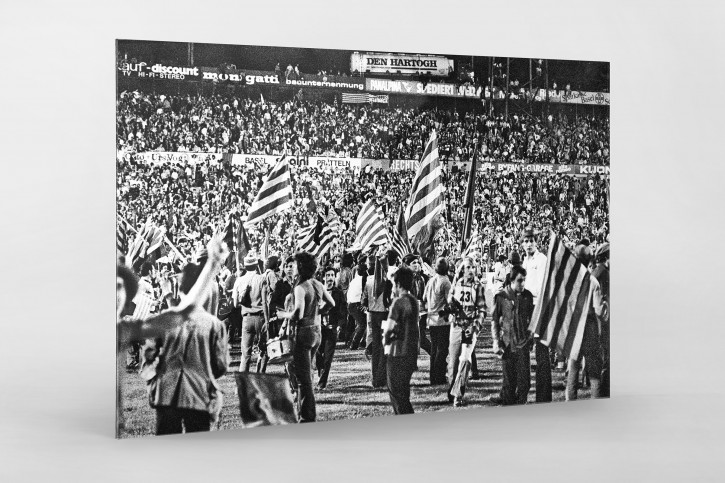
(472, 241)
(155, 239)
(370, 228)
(317, 238)
(426, 193)
(566, 294)
(364, 98)
(399, 238)
(121, 236)
(275, 195)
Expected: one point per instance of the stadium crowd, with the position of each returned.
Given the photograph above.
(513, 213)
(222, 123)
(193, 201)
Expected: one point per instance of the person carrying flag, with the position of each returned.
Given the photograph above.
(469, 310)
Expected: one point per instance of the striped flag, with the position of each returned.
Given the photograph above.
(399, 238)
(566, 293)
(370, 228)
(121, 236)
(472, 241)
(155, 239)
(275, 195)
(137, 249)
(317, 238)
(426, 193)
(364, 98)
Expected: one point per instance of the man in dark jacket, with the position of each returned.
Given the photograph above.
(183, 366)
(514, 306)
(418, 291)
(332, 317)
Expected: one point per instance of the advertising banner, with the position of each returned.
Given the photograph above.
(211, 74)
(327, 82)
(418, 88)
(159, 71)
(161, 157)
(319, 162)
(248, 77)
(333, 163)
(575, 97)
(569, 169)
(400, 64)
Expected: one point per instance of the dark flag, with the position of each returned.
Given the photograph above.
(381, 274)
(468, 203)
(311, 205)
(318, 230)
(264, 400)
(242, 245)
(229, 240)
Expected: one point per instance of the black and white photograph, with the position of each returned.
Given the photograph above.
(391, 218)
(309, 235)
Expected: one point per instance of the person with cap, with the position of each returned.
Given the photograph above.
(434, 300)
(534, 263)
(418, 291)
(597, 325)
(247, 293)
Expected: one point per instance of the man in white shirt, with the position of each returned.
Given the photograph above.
(535, 264)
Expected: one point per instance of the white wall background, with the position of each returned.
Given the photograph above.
(665, 420)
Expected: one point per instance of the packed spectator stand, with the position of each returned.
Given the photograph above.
(222, 123)
(192, 201)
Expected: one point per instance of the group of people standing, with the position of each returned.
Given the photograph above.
(385, 305)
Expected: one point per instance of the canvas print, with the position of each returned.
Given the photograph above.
(310, 235)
